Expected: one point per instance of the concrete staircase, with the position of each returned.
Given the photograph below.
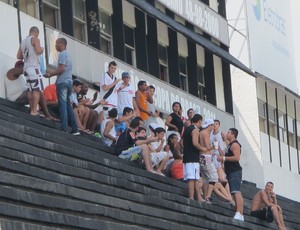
(52, 180)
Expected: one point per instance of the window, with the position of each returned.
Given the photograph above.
(282, 126)
(291, 131)
(29, 7)
(51, 13)
(201, 82)
(291, 121)
(272, 121)
(129, 45)
(262, 116)
(105, 32)
(79, 20)
(183, 73)
(163, 62)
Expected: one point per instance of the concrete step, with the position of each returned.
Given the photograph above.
(44, 170)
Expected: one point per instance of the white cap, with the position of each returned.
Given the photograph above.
(153, 126)
(207, 123)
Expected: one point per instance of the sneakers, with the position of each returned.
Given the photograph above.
(75, 133)
(97, 134)
(135, 157)
(208, 200)
(238, 216)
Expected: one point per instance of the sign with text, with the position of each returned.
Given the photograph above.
(201, 16)
(271, 40)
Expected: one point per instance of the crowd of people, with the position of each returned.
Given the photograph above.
(186, 149)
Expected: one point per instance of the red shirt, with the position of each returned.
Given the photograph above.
(50, 93)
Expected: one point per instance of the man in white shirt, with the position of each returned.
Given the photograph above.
(126, 94)
(108, 132)
(108, 89)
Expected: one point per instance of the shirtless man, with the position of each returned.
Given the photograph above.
(208, 170)
(265, 207)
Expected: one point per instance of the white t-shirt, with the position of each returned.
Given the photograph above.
(151, 107)
(31, 58)
(113, 98)
(125, 97)
(14, 88)
(217, 137)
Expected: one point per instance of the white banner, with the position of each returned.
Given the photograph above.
(202, 16)
(271, 40)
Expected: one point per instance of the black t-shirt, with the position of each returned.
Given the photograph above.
(176, 120)
(190, 153)
(125, 141)
(229, 165)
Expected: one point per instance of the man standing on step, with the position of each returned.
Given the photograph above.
(191, 151)
(265, 207)
(64, 86)
(208, 171)
(233, 170)
(108, 91)
(30, 50)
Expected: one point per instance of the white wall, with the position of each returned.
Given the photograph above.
(295, 5)
(285, 182)
(9, 41)
(294, 160)
(246, 121)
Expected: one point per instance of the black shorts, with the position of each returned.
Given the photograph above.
(263, 214)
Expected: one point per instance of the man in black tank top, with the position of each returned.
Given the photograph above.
(191, 150)
(233, 170)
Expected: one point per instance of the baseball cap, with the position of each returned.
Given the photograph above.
(125, 74)
(207, 123)
(153, 126)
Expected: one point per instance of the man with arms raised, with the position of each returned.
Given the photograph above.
(265, 207)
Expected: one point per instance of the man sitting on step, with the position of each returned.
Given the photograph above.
(128, 146)
(265, 207)
(17, 90)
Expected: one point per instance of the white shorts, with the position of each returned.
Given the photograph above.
(156, 158)
(191, 171)
(34, 79)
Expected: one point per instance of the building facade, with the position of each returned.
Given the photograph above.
(179, 46)
(268, 104)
